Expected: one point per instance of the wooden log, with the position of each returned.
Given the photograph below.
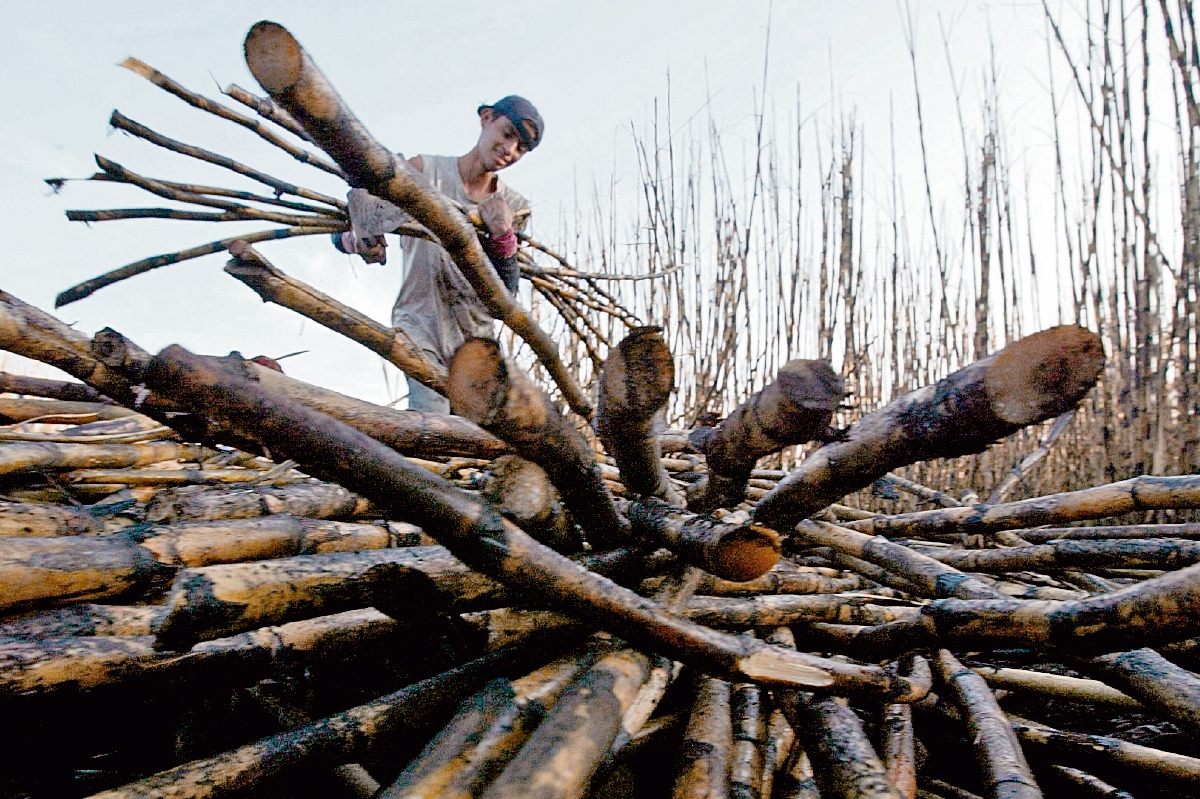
(1188, 531)
(534, 695)
(1054, 555)
(635, 383)
(1080, 781)
(736, 552)
(25, 457)
(214, 601)
(1157, 682)
(1036, 378)
(1058, 686)
(309, 500)
(1100, 754)
(794, 409)
(898, 749)
(564, 751)
(703, 770)
(342, 738)
(266, 108)
(522, 492)
(783, 578)
(51, 410)
(1137, 494)
(31, 668)
(49, 572)
(492, 392)
(749, 717)
(1006, 773)
(62, 390)
(776, 610)
(921, 571)
(845, 765)
(23, 519)
(503, 626)
(393, 344)
(84, 619)
(482, 537)
(924, 492)
(288, 74)
(412, 433)
(1159, 610)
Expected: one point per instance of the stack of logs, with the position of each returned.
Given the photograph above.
(217, 580)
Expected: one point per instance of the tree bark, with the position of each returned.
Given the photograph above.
(522, 492)
(705, 754)
(1055, 555)
(62, 390)
(736, 552)
(1036, 378)
(309, 500)
(1157, 682)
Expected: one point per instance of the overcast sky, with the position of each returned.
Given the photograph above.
(414, 73)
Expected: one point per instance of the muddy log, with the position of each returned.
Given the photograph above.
(522, 492)
(48, 572)
(21, 519)
(794, 409)
(1114, 499)
(494, 393)
(564, 751)
(1006, 774)
(845, 765)
(707, 743)
(1159, 610)
(1036, 378)
(898, 749)
(413, 582)
(749, 715)
(479, 535)
(784, 578)
(731, 613)
(288, 74)
(50, 389)
(1042, 535)
(1056, 555)
(51, 410)
(84, 619)
(1058, 686)
(309, 500)
(392, 344)
(342, 738)
(931, 577)
(635, 383)
(1157, 682)
(736, 552)
(24, 457)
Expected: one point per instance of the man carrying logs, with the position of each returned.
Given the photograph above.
(437, 306)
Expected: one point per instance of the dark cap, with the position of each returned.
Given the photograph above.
(520, 110)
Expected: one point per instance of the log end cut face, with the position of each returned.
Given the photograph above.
(1045, 374)
(640, 376)
(274, 56)
(746, 553)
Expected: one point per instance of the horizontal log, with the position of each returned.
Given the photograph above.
(342, 738)
(927, 575)
(1189, 531)
(288, 74)
(1157, 682)
(1054, 555)
(1102, 754)
(1159, 610)
(214, 601)
(782, 581)
(780, 610)
(25, 457)
(14, 410)
(500, 627)
(1057, 686)
(1036, 378)
(1137, 494)
(736, 552)
(478, 534)
(83, 619)
(49, 572)
(25, 519)
(63, 390)
(310, 500)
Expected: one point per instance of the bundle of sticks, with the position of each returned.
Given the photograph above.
(220, 580)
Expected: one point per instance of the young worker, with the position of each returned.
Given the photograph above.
(437, 306)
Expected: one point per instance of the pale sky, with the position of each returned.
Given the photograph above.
(414, 73)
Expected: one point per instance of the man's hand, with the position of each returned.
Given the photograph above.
(373, 249)
(496, 214)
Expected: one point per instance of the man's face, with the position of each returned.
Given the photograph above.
(499, 141)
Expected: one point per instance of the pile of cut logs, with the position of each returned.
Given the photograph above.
(217, 580)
